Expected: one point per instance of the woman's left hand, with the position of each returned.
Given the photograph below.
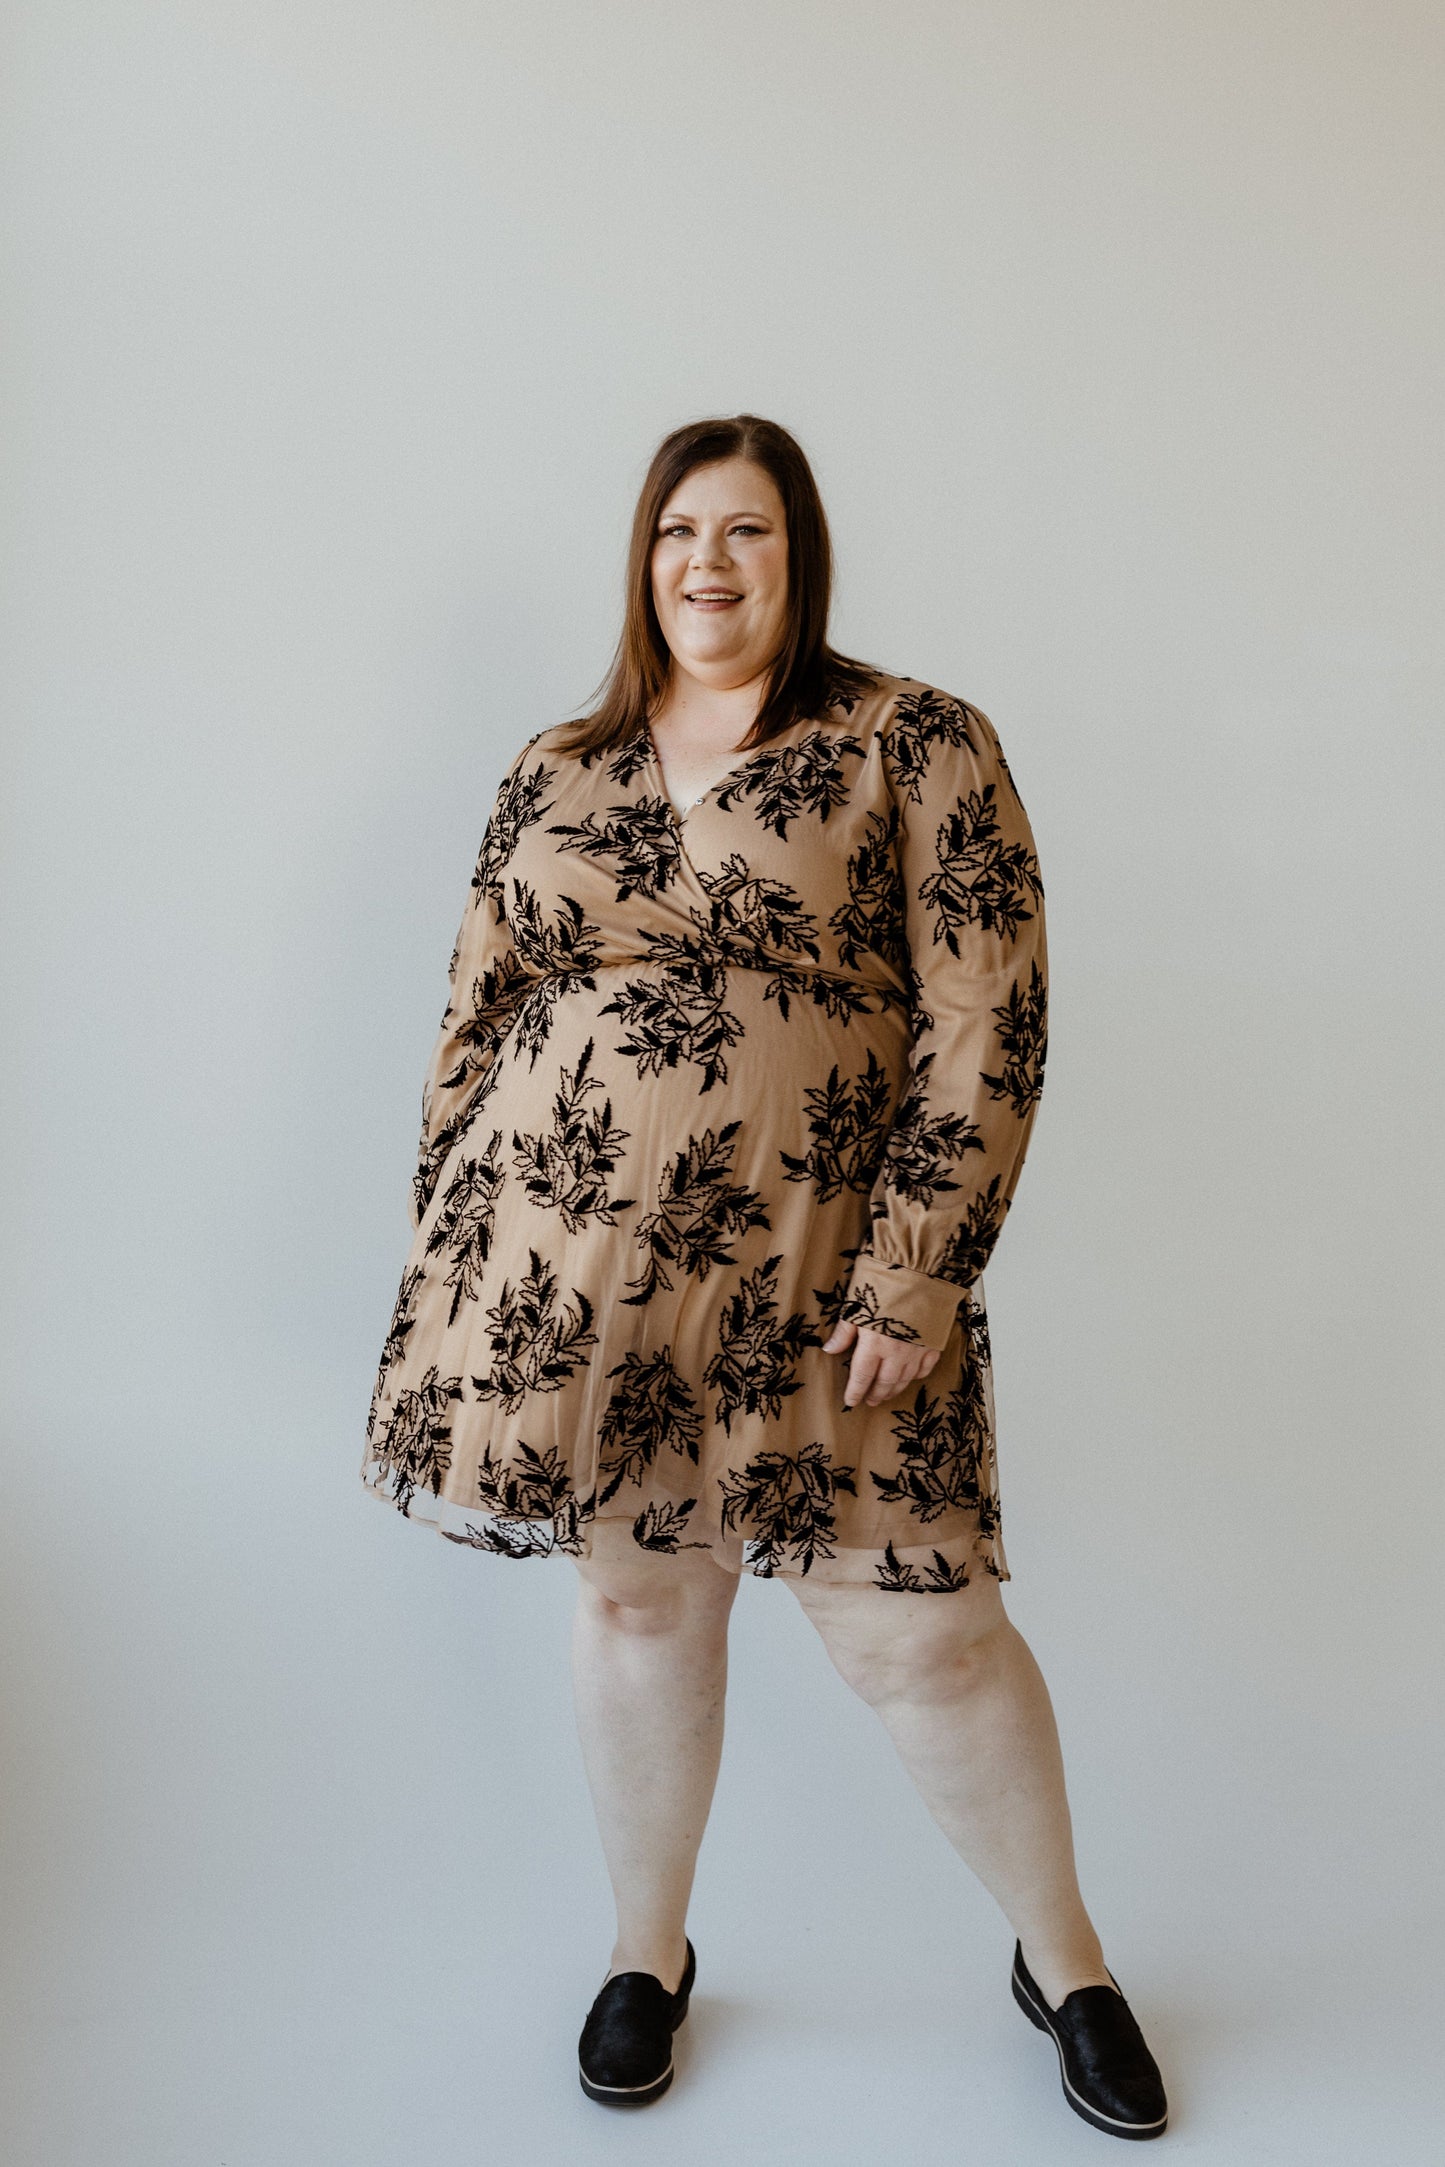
(881, 1366)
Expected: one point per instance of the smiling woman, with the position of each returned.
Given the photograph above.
(720, 589)
(743, 1050)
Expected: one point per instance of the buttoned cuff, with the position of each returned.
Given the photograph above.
(889, 1298)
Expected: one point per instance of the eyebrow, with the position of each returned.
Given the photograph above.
(731, 515)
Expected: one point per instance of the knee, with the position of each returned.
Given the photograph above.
(919, 1659)
(633, 1603)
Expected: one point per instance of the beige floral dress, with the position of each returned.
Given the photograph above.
(707, 1082)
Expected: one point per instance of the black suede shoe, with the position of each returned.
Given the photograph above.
(1109, 2075)
(624, 2056)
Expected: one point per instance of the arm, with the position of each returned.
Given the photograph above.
(973, 904)
(487, 982)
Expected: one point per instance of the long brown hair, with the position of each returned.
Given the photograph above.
(807, 675)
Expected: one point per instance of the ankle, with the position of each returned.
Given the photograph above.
(1059, 1969)
(664, 1955)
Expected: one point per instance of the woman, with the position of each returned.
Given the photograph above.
(743, 1048)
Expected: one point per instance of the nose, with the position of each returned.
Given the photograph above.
(710, 550)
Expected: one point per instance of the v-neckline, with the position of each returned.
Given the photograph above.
(717, 784)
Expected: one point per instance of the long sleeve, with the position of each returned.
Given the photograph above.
(973, 913)
(487, 982)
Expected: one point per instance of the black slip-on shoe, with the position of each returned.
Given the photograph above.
(1109, 2075)
(624, 2056)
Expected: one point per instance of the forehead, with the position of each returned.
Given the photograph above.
(726, 486)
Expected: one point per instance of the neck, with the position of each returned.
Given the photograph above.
(691, 703)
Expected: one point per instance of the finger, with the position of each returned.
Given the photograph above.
(861, 1373)
(843, 1338)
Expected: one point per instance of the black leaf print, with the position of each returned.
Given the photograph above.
(638, 845)
(677, 1016)
(498, 999)
(922, 720)
(652, 1406)
(849, 1125)
(630, 759)
(1023, 1036)
(535, 1346)
(699, 1213)
(464, 1224)
(661, 1526)
(566, 1171)
(753, 918)
(863, 1308)
(403, 1318)
(941, 1442)
(521, 802)
(786, 1499)
(982, 879)
(972, 1241)
(791, 781)
(921, 1144)
(532, 1509)
(830, 1299)
(568, 949)
(494, 999)
(757, 1357)
(941, 1577)
(873, 921)
(415, 1441)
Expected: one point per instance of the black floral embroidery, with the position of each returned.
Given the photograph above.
(982, 878)
(791, 782)
(531, 1507)
(415, 1442)
(939, 1578)
(921, 721)
(661, 1526)
(873, 921)
(566, 1170)
(699, 1214)
(755, 1366)
(972, 1241)
(536, 1345)
(848, 1121)
(637, 845)
(753, 918)
(521, 801)
(787, 1498)
(675, 1017)
(652, 1406)
(940, 1446)
(922, 1144)
(463, 1226)
(1024, 1037)
(403, 1318)
(497, 998)
(864, 1308)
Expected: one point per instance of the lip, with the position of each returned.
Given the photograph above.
(704, 600)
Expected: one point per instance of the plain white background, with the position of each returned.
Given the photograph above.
(337, 340)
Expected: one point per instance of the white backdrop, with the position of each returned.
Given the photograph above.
(338, 338)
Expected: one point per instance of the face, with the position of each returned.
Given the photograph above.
(720, 572)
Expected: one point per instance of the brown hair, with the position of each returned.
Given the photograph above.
(807, 675)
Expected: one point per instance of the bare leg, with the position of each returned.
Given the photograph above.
(649, 1674)
(956, 1686)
